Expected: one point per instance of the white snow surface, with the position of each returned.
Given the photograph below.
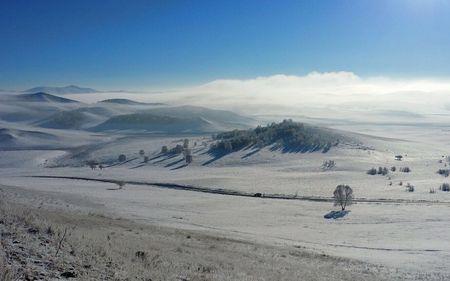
(411, 236)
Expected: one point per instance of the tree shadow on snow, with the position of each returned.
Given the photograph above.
(336, 214)
(179, 167)
(174, 163)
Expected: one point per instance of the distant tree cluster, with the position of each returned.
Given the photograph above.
(287, 134)
(380, 171)
(178, 149)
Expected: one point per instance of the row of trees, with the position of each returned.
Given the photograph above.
(384, 170)
(178, 149)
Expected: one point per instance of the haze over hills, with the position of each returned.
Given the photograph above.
(50, 111)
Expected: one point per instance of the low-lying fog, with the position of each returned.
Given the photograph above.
(331, 95)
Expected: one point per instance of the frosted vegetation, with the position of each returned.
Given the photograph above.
(289, 136)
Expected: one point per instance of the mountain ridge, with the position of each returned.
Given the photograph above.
(70, 89)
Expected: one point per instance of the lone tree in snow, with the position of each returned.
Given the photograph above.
(141, 152)
(186, 143)
(122, 158)
(343, 196)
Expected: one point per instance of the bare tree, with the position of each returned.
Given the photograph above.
(343, 196)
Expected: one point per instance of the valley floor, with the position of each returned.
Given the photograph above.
(53, 237)
(149, 232)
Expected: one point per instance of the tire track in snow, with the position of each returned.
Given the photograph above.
(230, 192)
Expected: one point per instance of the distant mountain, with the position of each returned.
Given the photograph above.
(128, 102)
(71, 89)
(43, 97)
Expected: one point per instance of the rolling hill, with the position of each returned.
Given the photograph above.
(14, 138)
(43, 97)
(81, 118)
(127, 102)
(147, 122)
(182, 119)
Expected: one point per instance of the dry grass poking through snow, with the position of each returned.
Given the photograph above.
(34, 247)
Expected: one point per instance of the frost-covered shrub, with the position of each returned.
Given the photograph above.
(445, 187)
(409, 187)
(382, 171)
(444, 172)
(372, 171)
(328, 165)
(405, 170)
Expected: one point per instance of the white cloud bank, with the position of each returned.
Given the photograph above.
(288, 93)
(329, 89)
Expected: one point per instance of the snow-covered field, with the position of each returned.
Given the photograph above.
(410, 232)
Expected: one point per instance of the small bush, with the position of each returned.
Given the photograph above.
(409, 187)
(164, 149)
(122, 158)
(328, 165)
(393, 169)
(432, 190)
(177, 149)
(372, 171)
(444, 172)
(382, 171)
(445, 187)
(405, 170)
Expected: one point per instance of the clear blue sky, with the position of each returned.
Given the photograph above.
(150, 44)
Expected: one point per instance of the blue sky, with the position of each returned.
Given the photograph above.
(165, 44)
